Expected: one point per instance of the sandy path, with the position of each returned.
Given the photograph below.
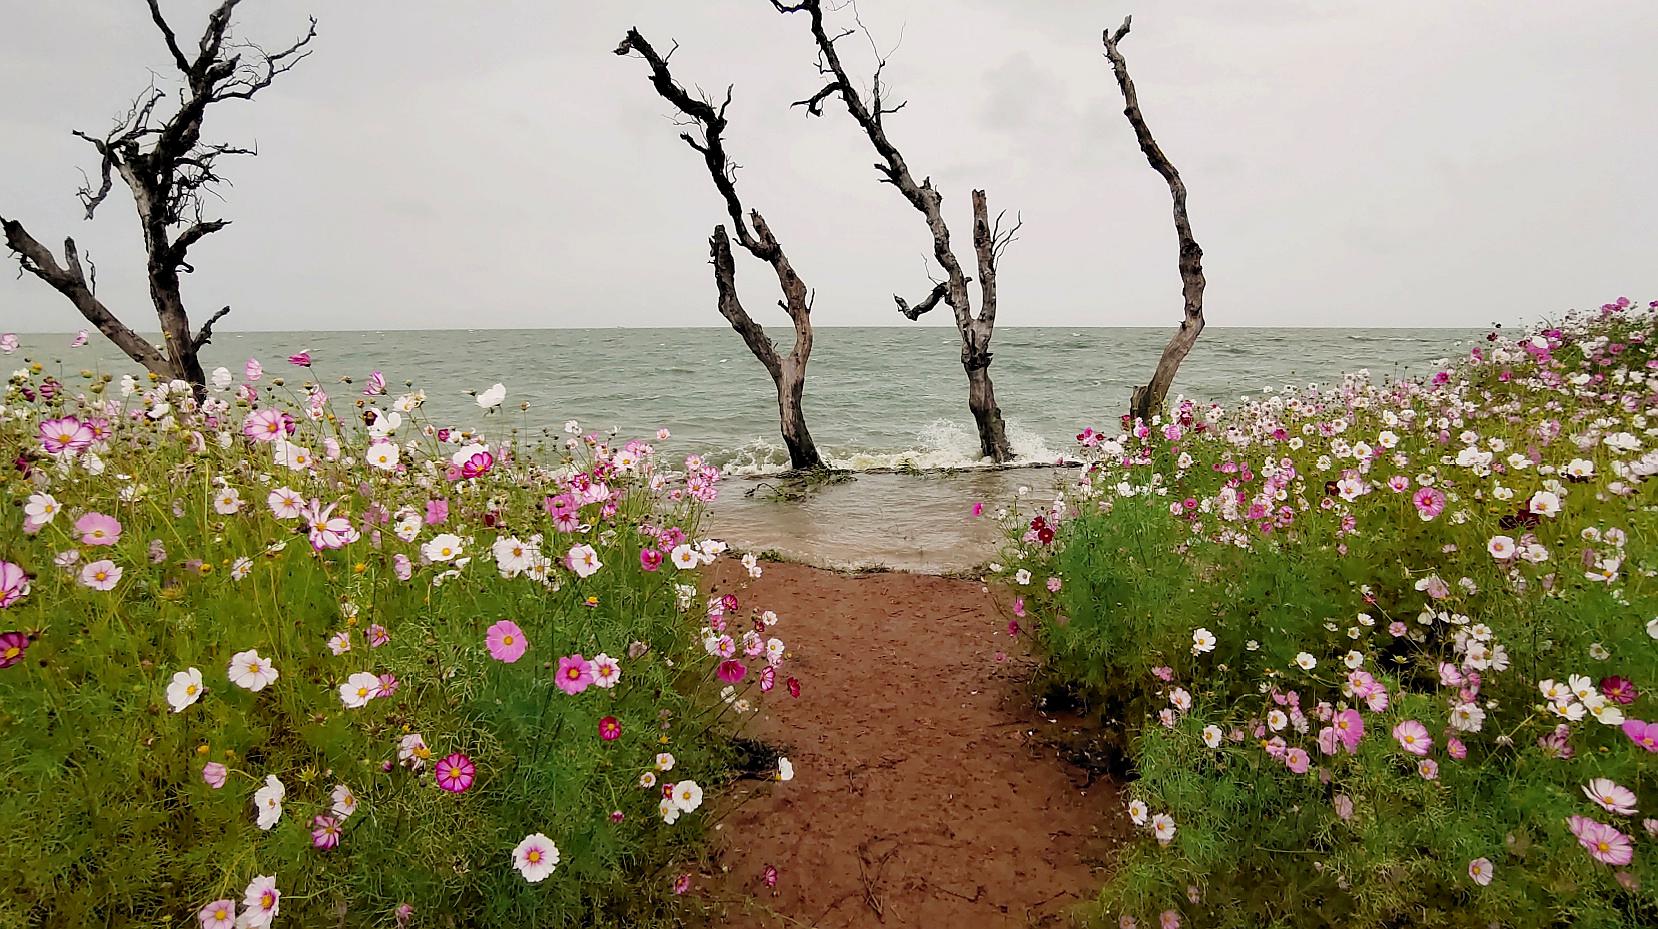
(926, 793)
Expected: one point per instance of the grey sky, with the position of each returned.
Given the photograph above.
(436, 164)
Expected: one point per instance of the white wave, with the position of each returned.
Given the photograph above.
(940, 445)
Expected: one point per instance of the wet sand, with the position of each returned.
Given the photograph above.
(928, 791)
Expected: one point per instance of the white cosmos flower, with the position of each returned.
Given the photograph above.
(492, 397)
(670, 811)
(294, 457)
(345, 802)
(1162, 826)
(1501, 547)
(261, 901)
(185, 689)
(664, 762)
(227, 501)
(1021, 577)
(785, 769)
(1212, 736)
(383, 455)
(1610, 796)
(684, 557)
(359, 689)
(535, 857)
(285, 503)
(1277, 720)
(221, 378)
(1305, 661)
(267, 802)
(443, 547)
(251, 672)
(1544, 503)
(41, 509)
(1137, 812)
(687, 796)
(1202, 641)
(584, 560)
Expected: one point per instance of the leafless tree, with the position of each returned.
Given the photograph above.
(989, 239)
(1148, 399)
(170, 171)
(788, 372)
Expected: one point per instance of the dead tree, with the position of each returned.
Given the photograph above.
(989, 240)
(1148, 399)
(788, 372)
(169, 171)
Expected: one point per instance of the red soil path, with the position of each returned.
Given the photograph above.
(927, 791)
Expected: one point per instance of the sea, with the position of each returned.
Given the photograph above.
(886, 405)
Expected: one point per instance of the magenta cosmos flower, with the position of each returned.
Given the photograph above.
(610, 728)
(1641, 733)
(12, 647)
(574, 674)
(14, 584)
(731, 671)
(1429, 503)
(506, 641)
(98, 529)
(455, 773)
(67, 435)
(325, 832)
(1619, 690)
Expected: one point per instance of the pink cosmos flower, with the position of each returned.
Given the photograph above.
(682, 884)
(402, 566)
(610, 728)
(303, 359)
(506, 641)
(14, 584)
(768, 875)
(213, 774)
(1610, 796)
(650, 559)
(731, 671)
(978, 509)
(1413, 737)
(220, 914)
(437, 511)
(1428, 769)
(67, 435)
(574, 674)
(1297, 760)
(376, 385)
(12, 646)
(79, 339)
(325, 832)
(1455, 748)
(1604, 843)
(101, 575)
(253, 370)
(98, 529)
(267, 425)
(1480, 871)
(1429, 503)
(455, 773)
(1641, 733)
(477, 465)
(1349, 726)
(377, 636)
(1344, 806)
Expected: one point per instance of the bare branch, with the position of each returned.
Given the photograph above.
(1147, 399)
(814, 103)
(195, 234)
(927, 303)
(172, 40)
(206, 334)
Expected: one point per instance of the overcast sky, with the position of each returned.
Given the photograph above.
(492, 164)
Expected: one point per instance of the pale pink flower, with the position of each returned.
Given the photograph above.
(1413, 737)
(1610, 796)
(506, 641)
(101, 575)
(98, 529)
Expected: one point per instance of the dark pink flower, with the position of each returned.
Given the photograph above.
(303, 359)
(768, 875)
(575, 674)
(455, 773)
(610, 729)
(1641, 733)
(731, 671)
(1619, 689)
(650, 559)
(325, 832)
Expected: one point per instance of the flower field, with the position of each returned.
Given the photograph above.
(269, 657)
(1382, 654)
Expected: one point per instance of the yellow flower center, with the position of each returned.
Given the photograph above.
(13, 652)
(190, 690)
(534, 856)
(506, 639)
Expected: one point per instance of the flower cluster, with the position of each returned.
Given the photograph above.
(256, 633)
(1393, 643)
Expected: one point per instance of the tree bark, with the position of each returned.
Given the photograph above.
(788, 372)
(975, 331)
(1149, 399)
(169, 170)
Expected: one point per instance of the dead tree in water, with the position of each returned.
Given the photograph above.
(788, 372)
(989, 240)
(168, 169)
(1148, 399)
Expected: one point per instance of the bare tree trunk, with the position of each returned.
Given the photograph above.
(989, 241)
(788, 373)
(168, 169)
(1149, 399)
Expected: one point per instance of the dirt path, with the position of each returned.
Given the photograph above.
(926, 792)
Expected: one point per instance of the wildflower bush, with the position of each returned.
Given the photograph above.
(262, 661)
(1384, 654)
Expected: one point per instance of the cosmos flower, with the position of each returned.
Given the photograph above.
(260, 901)
(574, 674)
(213, 774)
(535, 857)
(505, 641)
(610, 728)
(1413, 737)
(687, 796)
(101, 575)
(98, 529)
(359, 689)
(185, 689)
(1480, 871)
(607, 671)
(1610, 796)
(455, 772)
(325, 831)
(267, 802)
(251, 672)
(14, 584)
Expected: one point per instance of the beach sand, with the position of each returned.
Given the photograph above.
(928, 790)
